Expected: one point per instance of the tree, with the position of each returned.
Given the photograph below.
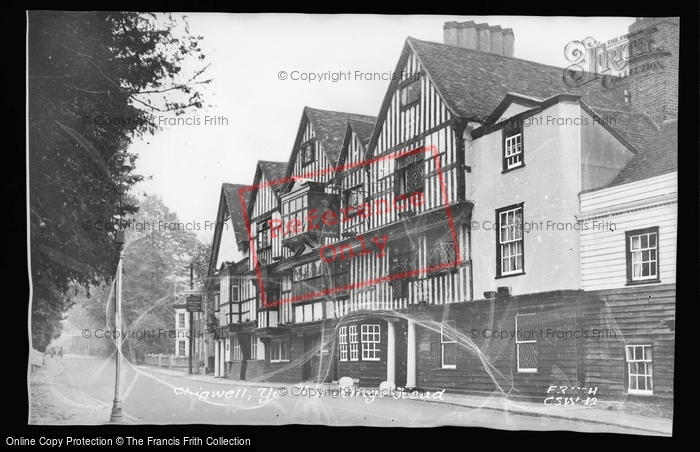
(155, 267)
(200, 264)
(96, 80)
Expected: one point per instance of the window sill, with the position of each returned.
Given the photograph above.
(512, 169)
(643, 281)
(448, 367)
(531, 372)
(639, 393)
(509, 275)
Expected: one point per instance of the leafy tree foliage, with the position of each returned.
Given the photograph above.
(96, 80)
(157, 254)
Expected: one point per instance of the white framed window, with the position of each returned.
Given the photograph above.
(253, 346)
(181, 320)
(526, 350)
(448, 349)
(643, 255)
(370, 342)
(354, 343)
(510, 258)
(279, 351)
(513, 152)
(639, 371)
(343, 342)
(236, 349)
(181, 348)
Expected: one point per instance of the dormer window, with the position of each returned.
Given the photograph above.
(512, 145)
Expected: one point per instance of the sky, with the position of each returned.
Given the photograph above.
(253, 114)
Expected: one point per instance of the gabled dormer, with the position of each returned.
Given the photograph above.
(318, 144)
(353, 177)
(230, 243)
(262, 211)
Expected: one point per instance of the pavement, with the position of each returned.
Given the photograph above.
(605, 413)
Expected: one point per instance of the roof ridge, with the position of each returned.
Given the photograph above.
(482, 52)
(336, 111)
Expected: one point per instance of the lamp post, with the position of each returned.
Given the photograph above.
(116, 416)
(191, 319)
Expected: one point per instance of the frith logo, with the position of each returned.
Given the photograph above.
(607, 61)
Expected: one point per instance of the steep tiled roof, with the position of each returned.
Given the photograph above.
(659, 157)
(231, 193)
(473, 83)
(330, 128)
(363, 129)
(273, 171)
(637, 128)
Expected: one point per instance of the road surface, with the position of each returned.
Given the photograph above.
(155, 398)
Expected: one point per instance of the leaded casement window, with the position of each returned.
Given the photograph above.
(442, 248)
(448, 348)
(181, 320)
(343, 342)
(509, 248)
(513, 154)
(403, 263)
(409, 174)
(353, 199)
(308, 153)
(181, 348)
(370, 342)
(279, 350)
(409, 95)
(264, 234)
(526, 351)
(235, 293)
(642, 255)
(639, 372)
(353, 340)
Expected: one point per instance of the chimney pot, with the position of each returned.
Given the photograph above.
(483, 37)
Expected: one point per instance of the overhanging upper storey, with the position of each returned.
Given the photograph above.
(309, 215)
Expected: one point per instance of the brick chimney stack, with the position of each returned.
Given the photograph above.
(482, 37)
(653, 66)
